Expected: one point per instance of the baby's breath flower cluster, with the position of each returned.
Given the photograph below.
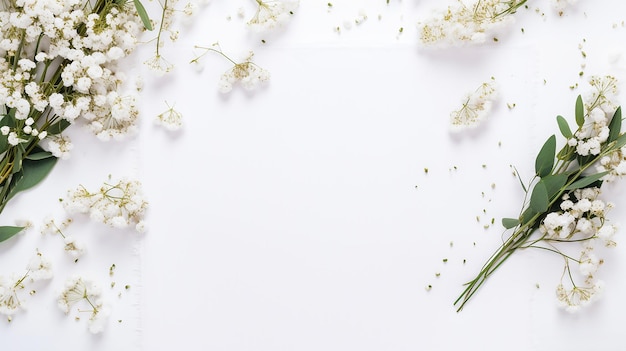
(581, 218)
(119, 204)
(58, 66)
(476, 106)
(272, 14)
(247, 73)
(468, 24)
(72, 246)
(12, 287)
(563, 205)
(171, 119)
(88, 294)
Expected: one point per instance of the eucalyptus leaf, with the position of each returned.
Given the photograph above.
(545, 158)
(585, 160)
(509, 223)
(620, 142)
(539, 198)
(580, 111)
(4, 143)
(554, 183)
(17, 160)
(616, 125)
(143, 14)
(36, 156)
(58, 127)
(586, 181)
(527, 215)
(33, 172)
(6, 232)
(566, 153)
(564, 127)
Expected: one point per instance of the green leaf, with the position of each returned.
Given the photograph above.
(554, 183)
(7, 232)
(580, 111)
(36, 156)
(58, 127)
(33, 172)
(143, 14)
(539, 198)
(567, 153)
(564, 127)
(527, 215)
(616, 125)
(509, 223)
(586, 181)
(620, 142)
(545, 158)
(4, 143)
(17, 160)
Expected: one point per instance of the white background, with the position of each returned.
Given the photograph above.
(299, 216)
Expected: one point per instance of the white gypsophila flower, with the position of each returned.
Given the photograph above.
(475, 107)
(599, 110)
(13, 139)
(247, 73)
(59, 145)
(50, 226)
(272, 14)
(87, 60)
(467, 24)
(589, 263)
(576, 297)
(170, 119)
(73, 247)
(39, 268)
(119, 205)
(583, 215)
(558, 225)
(10, 303)
(614, 163)
(77, 290)
(606, 234)
(119, 122)
(98, 318)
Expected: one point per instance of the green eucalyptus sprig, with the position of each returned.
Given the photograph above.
(557, 175)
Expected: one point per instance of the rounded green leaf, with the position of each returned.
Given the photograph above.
(32, 173)
(545, 158)
(6, 232)
(539, 201)
(141, 11)
(580, 111)
(564, 127)
(586, 181)
(509, 223)
(616, 125)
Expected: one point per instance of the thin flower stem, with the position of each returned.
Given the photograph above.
(214, 50)
(567, 257)
(158, 39)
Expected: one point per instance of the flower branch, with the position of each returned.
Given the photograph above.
(564, 205)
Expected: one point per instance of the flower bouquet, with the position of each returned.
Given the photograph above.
(562, 205)
(58, 67)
